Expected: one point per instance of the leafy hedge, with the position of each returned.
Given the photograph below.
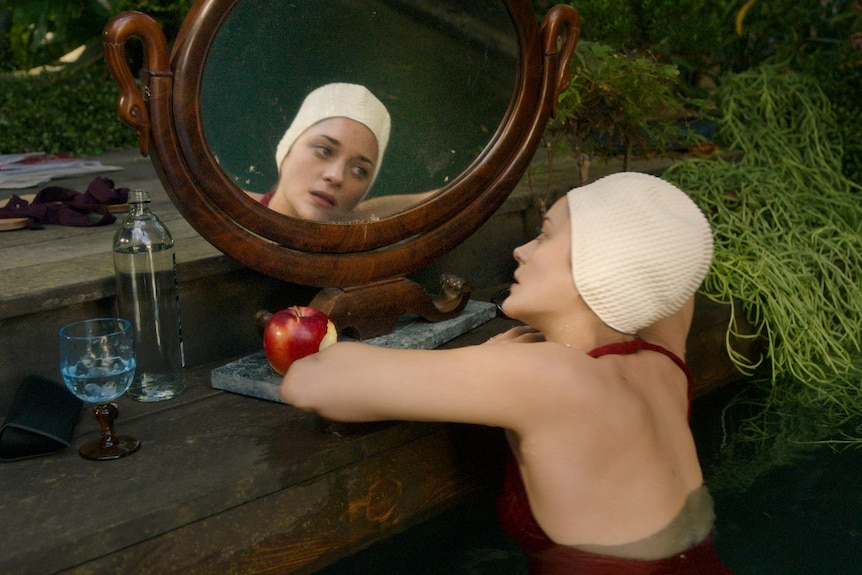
(71, 112)
(37, 32)
(709, 39)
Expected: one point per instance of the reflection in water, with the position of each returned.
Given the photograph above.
(446, 81)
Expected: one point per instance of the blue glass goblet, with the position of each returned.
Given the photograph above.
(97, 362)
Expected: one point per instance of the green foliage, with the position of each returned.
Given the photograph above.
(71, 112)
(790, 30)
(611, 22)
(617, 102)
(787, 226)
(839, 75)
(696, 35)
(691, 34)
(41, 31)
(168, 13)
(822, 38)
(707, 39)
(38, 32)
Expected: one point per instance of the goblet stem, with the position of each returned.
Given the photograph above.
(105, 414)
(111, 445)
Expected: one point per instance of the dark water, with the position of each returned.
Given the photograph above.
(462, 541)
(799, 519)
(796, 519)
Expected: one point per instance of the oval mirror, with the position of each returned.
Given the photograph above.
(469, 88)
(446, 79)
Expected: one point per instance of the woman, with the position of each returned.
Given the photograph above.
(592, 391)
(330, 156)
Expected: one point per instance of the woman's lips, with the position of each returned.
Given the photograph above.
(324, 199)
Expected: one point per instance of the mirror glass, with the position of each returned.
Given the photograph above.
(446, 73)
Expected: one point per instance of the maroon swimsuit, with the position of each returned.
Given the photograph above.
(548, 558)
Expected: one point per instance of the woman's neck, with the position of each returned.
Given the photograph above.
(279, 203)
(585, 333)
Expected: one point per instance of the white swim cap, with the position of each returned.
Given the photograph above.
(339, 101)
(640, 248)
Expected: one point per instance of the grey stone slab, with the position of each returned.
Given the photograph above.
(251, 375)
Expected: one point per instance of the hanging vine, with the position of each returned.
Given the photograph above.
(788, 237)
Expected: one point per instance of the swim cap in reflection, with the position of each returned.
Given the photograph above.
(339, 100)
(640, 248)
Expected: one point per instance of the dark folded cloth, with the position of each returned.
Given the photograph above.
(41, 420)
(66, 207)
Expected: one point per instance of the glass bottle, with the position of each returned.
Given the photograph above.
(148, 296)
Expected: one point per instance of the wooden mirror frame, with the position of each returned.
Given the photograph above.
(165, 114)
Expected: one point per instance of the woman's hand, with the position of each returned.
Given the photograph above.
(520, 334)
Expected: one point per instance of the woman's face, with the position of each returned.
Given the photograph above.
(543, 280)
(327, 171)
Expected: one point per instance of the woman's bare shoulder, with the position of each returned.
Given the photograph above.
(381, 207)
(546, 377)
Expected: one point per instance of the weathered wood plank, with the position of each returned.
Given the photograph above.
(208, 456)
(60, 265)
(308, 526)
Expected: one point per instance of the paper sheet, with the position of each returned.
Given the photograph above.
(32, 169)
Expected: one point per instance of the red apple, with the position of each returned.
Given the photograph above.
(294, 333)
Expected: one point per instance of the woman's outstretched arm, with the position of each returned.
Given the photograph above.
(497, 385)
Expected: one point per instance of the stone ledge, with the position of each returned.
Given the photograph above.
(252, 375)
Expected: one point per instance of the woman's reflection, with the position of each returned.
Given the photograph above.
(331, 153)
(330, 156)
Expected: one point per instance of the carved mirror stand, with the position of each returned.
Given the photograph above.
(360, 266)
